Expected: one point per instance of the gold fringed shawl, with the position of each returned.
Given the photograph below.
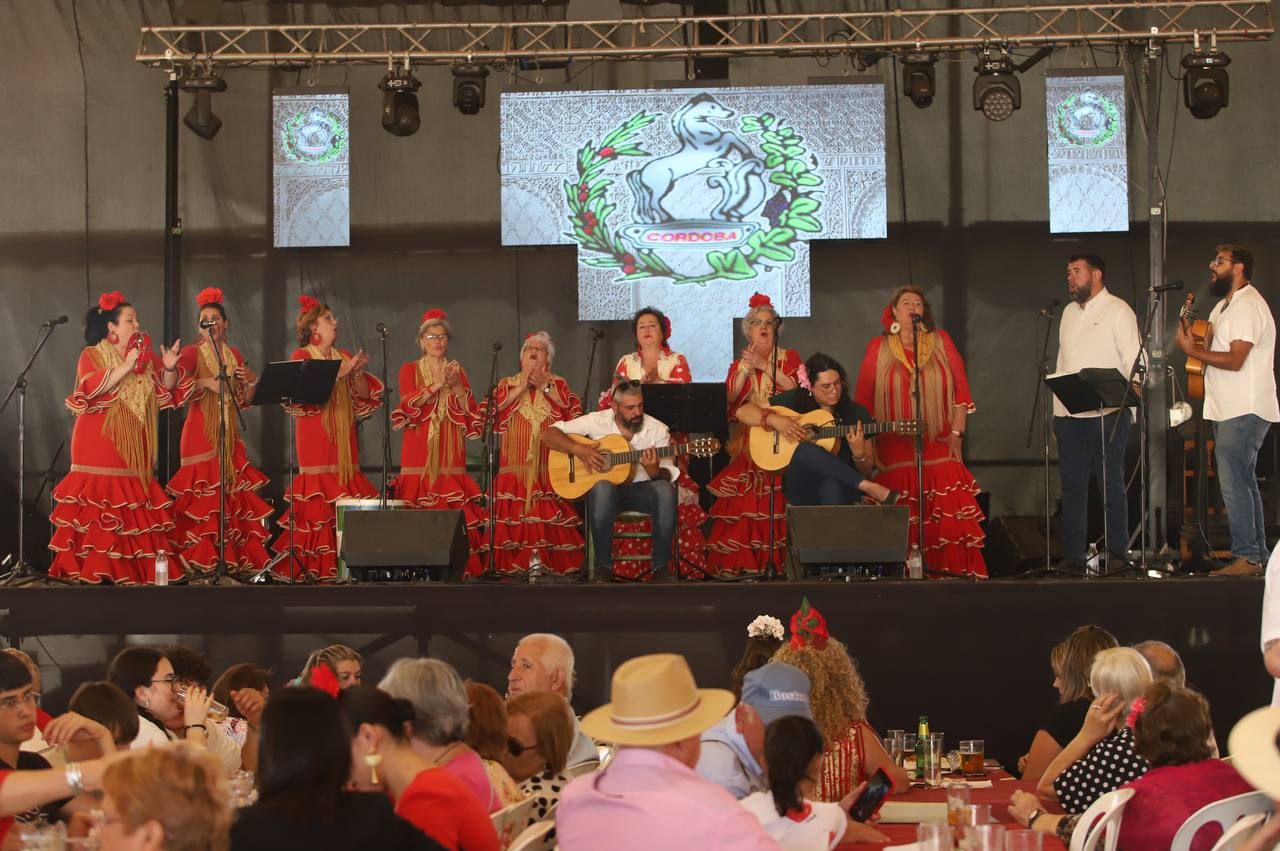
(895, 374)
(442, 440)
(208, 368)
(132, 419)
(535, 408)
(338, 417)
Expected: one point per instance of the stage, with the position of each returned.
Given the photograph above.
(971, 655)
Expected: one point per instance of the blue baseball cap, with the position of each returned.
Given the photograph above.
(776, 690)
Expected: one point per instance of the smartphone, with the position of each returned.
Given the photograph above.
(878, 788)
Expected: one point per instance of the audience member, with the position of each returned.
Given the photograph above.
(345, 662)
(487, 736)
(544, 662)
(191, 675)
(31, 791)
(243, 689)
(105, 703)
(147, 676)
(425, 795)
(1070, 660)
(1254, 744)
(1101, 757)
(765, 635)
(1271, 624)
(839, 704)
(42, 718)
(793, 750)
(650, 796)
(1165, 662)
(733, 750)
(304, 768)
(171, 798)
(539, 732)
(439, 702)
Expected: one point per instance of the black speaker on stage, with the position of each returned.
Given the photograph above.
(400, 545)
(846, 535)
(1015, 543)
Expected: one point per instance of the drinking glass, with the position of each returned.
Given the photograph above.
(933, 762)
(243, 790)
(971, 814)
(217, 711)
(934, 836)
(958, 795)
(953, 761)
(972, 756)
(983, 837)
(1023, 840)
(894, 745)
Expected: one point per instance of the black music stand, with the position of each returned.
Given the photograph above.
(295, 382)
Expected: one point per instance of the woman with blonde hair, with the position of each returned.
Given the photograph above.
(346, 663)
(838, 700)
(171, 798)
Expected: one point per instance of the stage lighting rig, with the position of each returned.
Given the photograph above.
(918, 78)
(996, 91)
(400, 116)
(468, 88)
(200, 118)
(1204, 79)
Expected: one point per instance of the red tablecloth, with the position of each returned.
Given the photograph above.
(1002, 788)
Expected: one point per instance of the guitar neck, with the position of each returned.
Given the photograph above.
(631, 457)
(838, 429)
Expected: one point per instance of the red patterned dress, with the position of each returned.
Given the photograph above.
(433, 452)
(739, 542)
(112, 517)
(843, 765)
(194, 487)
(953, 536)
(328, 469)
(527, 513)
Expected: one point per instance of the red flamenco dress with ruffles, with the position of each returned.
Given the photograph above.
(328, 470)
(739, 544)
(433, 453)
(195, 486)
(528, 516)
(112, 517)
(953, 536)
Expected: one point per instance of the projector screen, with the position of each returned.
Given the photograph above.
(693, 199)
(310, 168)
(1088, 156)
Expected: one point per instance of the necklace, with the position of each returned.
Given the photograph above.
(440, 760)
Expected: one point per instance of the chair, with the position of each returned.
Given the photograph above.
(539, 837)
(509, 822)
(627, 526)
(1225, 812)
(1239, 832)
(1101, 822)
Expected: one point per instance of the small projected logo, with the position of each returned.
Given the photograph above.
(1087, 119)
(725, 204)
(313, 136)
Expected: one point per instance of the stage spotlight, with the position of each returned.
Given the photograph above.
(468, 88)
(200, 118)
(1204, 82)
(918, 77)
(400, 116)
(996, 91)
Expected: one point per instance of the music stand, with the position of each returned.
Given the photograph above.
(1094, 389)
(295, 382)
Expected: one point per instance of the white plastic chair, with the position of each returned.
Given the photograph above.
(580, 769)
(1101, 822)
(1239, 832)
(539, 837)
(1225, 812)
(510, 822)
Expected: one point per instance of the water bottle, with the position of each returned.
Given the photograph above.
(915, 564)
(535, 567)
(162, 568)
(922, 746)
(1093, 561)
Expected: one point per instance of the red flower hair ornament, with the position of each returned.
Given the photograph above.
(434, 313)
(666, 328)
(808, 628)
(886, 319)
(307, 303)
(208, 296)
(110, 301)
(323, 678)
(1135, 709)
(759, 300)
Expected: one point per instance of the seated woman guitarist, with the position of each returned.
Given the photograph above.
(803, 426)
(646, 444)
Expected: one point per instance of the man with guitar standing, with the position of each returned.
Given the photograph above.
(1239, 398)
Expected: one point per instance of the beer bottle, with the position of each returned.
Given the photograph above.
(922, 745)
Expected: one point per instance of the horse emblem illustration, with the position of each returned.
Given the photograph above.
(710, 193)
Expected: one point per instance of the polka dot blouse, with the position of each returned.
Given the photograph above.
(1107, 766)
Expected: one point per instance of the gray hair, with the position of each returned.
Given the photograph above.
(557, 655)
(435, 691)
(1157, 654)
(755, 311)
(1122, 671)
(438, 320)
(540, 338)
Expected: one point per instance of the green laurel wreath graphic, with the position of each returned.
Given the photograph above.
(288, 138)
(1063, 115)
(787, 161)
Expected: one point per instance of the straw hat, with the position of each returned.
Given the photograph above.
(1254, 752)
(656, 702)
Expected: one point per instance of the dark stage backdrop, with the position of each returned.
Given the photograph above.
(82, 203)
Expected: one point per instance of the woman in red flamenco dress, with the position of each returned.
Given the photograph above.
(436, 413)
(195, 487)
(328, 448)
(529, 518)
(953, 536)
(112, 517)
(739, 545)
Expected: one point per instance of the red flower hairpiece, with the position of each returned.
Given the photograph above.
(434, 313)
(208, 296)
(886, 318)
(1135, 709)
(666, 328)
(323, 678)
(808, 628)
(759, 300)
(307, 303)
(110, 301)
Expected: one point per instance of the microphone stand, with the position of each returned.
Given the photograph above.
(220, 569)
(596, 334)
(771, 567)
(490, 572)
(386, 421)
(919, 437)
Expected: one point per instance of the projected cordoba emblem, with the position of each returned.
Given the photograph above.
(722, 204)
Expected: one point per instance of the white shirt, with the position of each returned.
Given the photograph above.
(819, 828)
(1102, 333)
(149, 734)
(1252, 388)
(652, 435)
(1271, 611)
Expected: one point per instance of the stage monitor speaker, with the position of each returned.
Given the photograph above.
(1015, 543)
(847, 534)
(405, 545)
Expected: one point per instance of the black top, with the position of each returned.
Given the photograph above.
(28, 761)
(846, 411)
(362, 820)
(1066, 719)
(1107, 766)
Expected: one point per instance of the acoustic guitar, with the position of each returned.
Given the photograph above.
(772, 450)
(571, 478)
(1199, 331)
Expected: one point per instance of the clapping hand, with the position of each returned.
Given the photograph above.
(170, 355)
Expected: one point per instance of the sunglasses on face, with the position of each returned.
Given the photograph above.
(517, 748)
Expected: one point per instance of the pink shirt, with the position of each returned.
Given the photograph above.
(469, 768)
(644, 800)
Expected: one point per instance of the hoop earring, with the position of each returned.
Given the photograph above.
(113, 338)
(315, 338)
(373, 760)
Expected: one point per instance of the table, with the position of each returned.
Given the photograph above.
(1002, 788)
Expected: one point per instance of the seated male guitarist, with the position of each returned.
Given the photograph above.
(816, 476)
(650, 489)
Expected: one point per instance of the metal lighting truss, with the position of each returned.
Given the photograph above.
(799, 34)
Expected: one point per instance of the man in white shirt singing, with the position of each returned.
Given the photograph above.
(650, 488)
(1098, 330)
(1239, 398)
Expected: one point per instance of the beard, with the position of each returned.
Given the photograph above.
(1081, 295)
(1219, 286)
(634, 423)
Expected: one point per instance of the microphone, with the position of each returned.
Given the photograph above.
(497, 346)
(57, 320)
(596, 334)
(1176, 285)
(382, 329)
(1048, 311)
(916, 319)
(208, 323)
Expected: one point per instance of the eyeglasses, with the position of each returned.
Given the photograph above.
(517, 748)
(762, 323)
(9, 704)
(431, 338)
(169, 681)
